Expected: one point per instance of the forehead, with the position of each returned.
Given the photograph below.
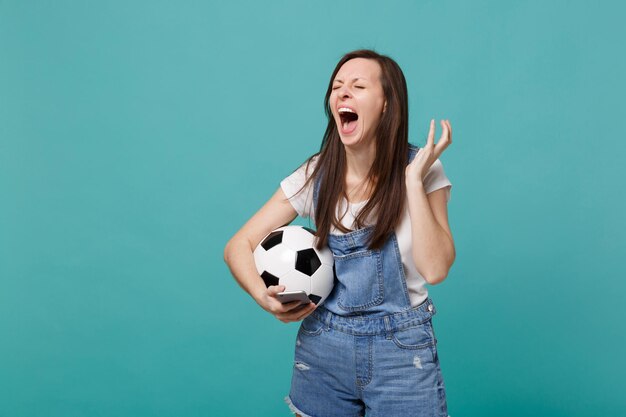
(359, 68)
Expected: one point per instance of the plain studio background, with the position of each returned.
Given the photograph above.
(137, 137)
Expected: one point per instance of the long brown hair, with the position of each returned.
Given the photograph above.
(387, 170)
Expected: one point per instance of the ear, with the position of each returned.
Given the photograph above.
(385, 106)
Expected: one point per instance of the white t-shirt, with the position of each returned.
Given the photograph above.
(303, 204)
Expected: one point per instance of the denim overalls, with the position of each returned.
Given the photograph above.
(366, 350)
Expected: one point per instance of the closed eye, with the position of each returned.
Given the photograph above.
(356, 86)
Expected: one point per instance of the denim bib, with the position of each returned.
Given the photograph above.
(368, 281)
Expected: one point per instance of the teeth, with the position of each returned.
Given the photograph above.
(345, 109)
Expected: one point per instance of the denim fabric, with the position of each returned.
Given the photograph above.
(380, 366)
(366, 351)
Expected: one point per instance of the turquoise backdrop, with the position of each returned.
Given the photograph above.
(136, 137)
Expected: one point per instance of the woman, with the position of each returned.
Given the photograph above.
(380, 204)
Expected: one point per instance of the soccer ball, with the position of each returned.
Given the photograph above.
(287, 256)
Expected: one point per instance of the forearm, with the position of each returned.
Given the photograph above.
(432, 248)
(240, 260)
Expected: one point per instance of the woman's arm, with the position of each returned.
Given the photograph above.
(433, 247)
(238, 255)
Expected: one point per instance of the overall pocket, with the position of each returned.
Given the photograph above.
(415, 337)
(360, 280)
(311, 326)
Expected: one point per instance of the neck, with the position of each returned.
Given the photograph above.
(359, 160)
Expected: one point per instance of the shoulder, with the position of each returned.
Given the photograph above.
(309, 165)
(296, 188)
(304, 170)
(436, 179)
(436, 171)
(437, 166)
(302, 173)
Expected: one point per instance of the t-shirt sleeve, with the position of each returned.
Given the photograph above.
(436, 178)
(302, 202)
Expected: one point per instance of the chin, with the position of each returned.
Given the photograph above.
(355, 140)
(351, 139)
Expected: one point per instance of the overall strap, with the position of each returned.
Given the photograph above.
(412, 152)
(316, 190)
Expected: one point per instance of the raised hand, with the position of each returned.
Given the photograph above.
(416, 171)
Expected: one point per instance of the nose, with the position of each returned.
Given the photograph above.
(344, 92)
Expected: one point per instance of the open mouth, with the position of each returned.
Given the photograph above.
(348, 119)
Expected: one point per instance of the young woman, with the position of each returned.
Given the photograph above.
(380, 205)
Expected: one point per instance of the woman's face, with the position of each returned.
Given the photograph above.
(357, 100)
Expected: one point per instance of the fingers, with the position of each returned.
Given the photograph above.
(297, 314)
(292, 306)
(442, 139)
(275, 289)
(444, 133)
(445, 139)
(430, 141)
(306, 311)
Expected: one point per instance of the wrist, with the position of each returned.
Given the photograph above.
(258, 294)
(414, 184)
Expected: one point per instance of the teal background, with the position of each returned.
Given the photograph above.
(137, 137)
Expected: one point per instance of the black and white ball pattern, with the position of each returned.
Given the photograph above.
(287, 256)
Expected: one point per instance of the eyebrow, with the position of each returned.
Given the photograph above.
(354, 79)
